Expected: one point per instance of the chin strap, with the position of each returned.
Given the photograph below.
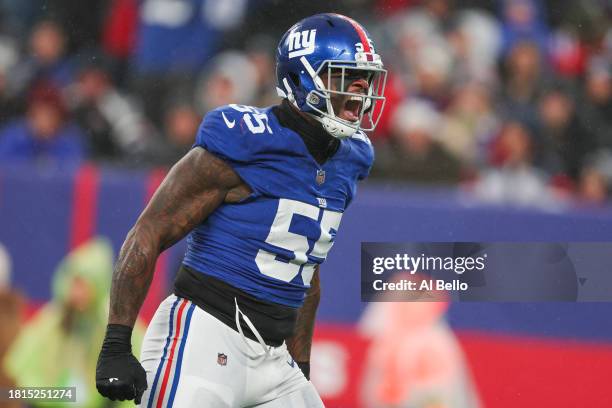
(334, 126)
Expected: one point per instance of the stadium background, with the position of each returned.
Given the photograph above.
(497, 129)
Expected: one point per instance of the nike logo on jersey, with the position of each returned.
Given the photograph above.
(112, 379)
(227, 122)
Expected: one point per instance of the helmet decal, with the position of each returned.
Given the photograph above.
(301, 43)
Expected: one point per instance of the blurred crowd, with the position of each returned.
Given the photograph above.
(512, 100)
(508, 99)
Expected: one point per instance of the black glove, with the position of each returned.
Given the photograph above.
(119, 375)
(305, 367)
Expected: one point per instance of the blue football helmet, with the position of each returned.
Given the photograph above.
(318, 60)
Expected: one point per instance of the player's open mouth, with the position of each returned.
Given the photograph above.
(352, 108)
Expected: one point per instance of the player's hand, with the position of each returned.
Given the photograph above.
(119, 375)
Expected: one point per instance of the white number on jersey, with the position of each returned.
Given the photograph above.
(251, 114)
(281, 237)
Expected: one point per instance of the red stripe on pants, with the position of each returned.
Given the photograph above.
(177, 333)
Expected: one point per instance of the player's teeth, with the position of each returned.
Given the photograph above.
(355, 98)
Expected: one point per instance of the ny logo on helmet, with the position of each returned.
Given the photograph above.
(301, 43)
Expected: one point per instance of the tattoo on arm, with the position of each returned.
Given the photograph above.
(300, 343)
(191, 191)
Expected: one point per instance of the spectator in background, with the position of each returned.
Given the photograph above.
(595, 109)
(592, 187)
(181, 36)
(562, 143)
(181, 122)
(515, 180)
(433, 67)
(72, 324)
(115, 127)
(596, 179)
(413, 154)
(476, 42)
(422, 55)
(175, 40)
(232, 78)
(181, 125)
(469, 124)
(407, 33)
(259, 51)
(523, 21)
(9, 104)
(46, 61)
(45, 134)
(11, 310)
(522, 81)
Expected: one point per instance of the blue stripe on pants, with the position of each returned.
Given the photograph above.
(161, 362)
(177, 372)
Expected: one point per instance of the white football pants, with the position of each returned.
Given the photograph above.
(193, 360)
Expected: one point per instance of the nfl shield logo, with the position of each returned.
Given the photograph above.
(221, 359)
(320, 177)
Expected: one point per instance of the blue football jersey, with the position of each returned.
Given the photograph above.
(269, 243)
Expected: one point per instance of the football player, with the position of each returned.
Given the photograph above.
(261, 195)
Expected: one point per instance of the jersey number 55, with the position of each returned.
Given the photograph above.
(280, 236)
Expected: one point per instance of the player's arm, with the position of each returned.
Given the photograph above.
(191, 191)
(300, 343)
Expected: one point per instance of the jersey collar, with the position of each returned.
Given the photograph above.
(321, 145)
